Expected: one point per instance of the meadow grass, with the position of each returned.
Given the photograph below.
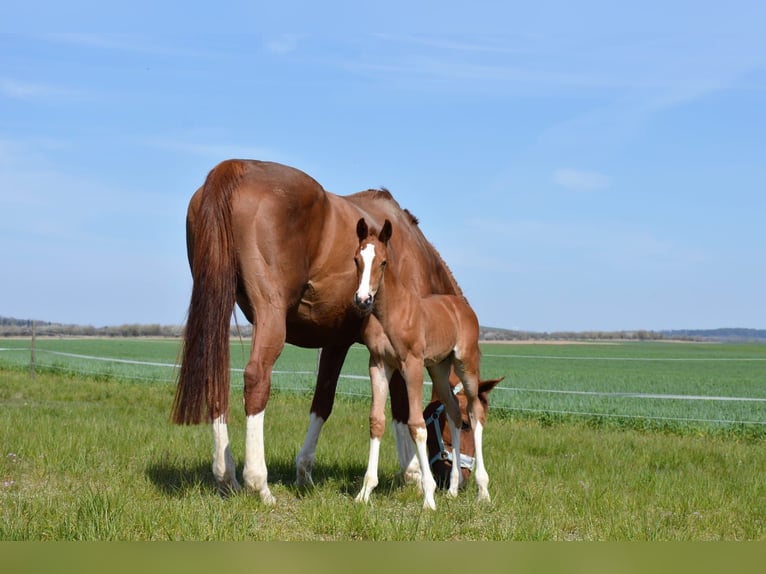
(92, 459)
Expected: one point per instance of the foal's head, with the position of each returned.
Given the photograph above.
(440, 453)
(370, 258)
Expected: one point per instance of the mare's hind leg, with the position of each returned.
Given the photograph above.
(330, 363)
(400, 413)
(224, 469)
(268, 342)
(379, 377)
(440, 376)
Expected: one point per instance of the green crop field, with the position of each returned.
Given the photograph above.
(665, 385)
(88, 452)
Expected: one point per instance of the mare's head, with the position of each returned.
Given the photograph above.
(439, 442)
(371, 258)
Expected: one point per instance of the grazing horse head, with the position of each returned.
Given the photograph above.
(370, 263)
(439, 442)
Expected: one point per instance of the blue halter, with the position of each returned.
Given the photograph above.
(443, 454)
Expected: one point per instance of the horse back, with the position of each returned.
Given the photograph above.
(449, 326)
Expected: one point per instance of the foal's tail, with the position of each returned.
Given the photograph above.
(202, 393)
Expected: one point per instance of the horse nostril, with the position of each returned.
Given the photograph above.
(365, 303)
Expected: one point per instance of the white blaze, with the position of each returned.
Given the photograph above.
(368, 255)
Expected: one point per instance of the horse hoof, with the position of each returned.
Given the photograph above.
(412, 476)
(228, 487)
(267, 498)
(304, 480)
(363, 497)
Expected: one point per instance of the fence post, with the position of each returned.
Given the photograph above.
(32, 350)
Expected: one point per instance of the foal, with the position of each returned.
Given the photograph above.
(438, 332)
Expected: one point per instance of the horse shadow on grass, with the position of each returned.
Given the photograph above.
(177, 478)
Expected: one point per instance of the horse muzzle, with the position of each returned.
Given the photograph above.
(364, 304)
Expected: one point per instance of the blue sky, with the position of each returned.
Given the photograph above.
(578, 165)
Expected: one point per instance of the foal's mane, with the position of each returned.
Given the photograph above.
(403, 216)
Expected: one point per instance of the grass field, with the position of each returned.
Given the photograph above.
(646, 385)
(93, 457)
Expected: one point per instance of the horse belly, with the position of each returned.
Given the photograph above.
(322, 316)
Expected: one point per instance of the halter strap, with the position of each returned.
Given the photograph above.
(443, 454)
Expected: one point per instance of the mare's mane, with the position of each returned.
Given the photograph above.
(402, 216)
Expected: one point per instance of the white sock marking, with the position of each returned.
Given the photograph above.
(255, 473)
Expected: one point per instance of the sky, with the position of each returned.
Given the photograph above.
(579, 166)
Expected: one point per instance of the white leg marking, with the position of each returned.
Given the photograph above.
(255, 473)
(405, 449)
(368, 254)
(304, 462)
(482, 478)
(379, 376)
(455, 474)
(427, 481)
(224, 469)
(371, 476)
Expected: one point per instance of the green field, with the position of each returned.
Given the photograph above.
(93, 456)
(659, 385)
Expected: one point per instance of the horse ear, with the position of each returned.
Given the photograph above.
(385, 233)
(486, 386)
(361, 229)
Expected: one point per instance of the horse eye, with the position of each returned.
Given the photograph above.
(383, 263)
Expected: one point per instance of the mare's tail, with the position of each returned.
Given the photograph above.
(202, 393)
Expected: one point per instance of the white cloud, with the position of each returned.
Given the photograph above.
(283, 44)
(19, 90)
(581, 180)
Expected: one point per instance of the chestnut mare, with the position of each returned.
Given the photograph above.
(269, 238)
(435, 331)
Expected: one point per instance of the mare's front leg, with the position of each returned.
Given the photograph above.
(330, 363)
(268, 342)
(379, 377)
(412, 369)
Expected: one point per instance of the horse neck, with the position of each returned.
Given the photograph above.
(391, 294)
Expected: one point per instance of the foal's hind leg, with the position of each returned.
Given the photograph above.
(330, 363)
(400, 413)
(440, 376)
(470, 379)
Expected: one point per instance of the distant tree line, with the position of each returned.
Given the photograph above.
(494, 334)
(10, 327)
(722, 335)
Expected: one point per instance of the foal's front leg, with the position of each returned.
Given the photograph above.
(412, 369)
(379, 377)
